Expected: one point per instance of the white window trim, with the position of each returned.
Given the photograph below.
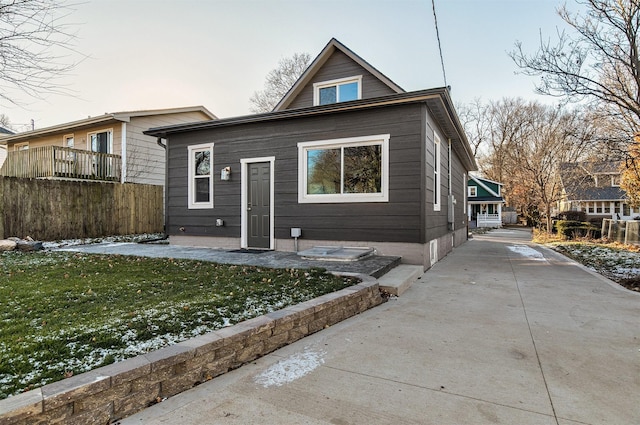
(437, 171)
(303, 147)
(105, 130)
(191, 173)
(21, 146)
(66, 137)
(473, 191)
(337, 83)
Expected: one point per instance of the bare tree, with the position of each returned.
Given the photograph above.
(35, 45)
(5, 122)
(279, 81)
(599, 61)
(523, 146)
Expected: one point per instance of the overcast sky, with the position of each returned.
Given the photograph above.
(148, 54)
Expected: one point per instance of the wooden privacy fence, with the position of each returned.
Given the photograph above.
(51, 210)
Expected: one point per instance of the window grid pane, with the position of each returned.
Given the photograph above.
(362, 169)
(324, 171)
(348, 92)
(328, 95)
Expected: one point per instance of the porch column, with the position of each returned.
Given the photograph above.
(500, 213)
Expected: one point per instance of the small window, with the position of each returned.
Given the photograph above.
(436, 172)
(69, 141)
(626, 210)
(335, 91)
(598, 207)
(615, 180)
(200, 176)
(21, 146)
(344, 170)
(473, 191)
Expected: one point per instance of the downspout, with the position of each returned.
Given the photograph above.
(166, 183)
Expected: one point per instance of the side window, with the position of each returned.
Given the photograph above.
(341, 90)
(473, 191)
(200, 176)
(436, 173)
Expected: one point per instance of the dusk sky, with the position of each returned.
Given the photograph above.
(148, 54)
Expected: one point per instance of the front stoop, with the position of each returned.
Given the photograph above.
(400, 278)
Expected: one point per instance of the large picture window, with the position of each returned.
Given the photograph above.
(334, 91)
(201, 176)
(344, 170)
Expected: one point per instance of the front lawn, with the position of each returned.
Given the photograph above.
(66, 313)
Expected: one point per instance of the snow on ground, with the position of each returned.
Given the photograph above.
(526, 251)
(291, 368)
(106, 239)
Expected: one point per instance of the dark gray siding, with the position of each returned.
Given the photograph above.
(399, 220)
(436, 223)
(337, 66)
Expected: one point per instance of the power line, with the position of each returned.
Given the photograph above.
(435, 20)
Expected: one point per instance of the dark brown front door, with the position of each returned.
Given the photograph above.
(259, 205)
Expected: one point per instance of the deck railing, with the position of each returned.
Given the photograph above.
(60, 162)
(488, 220)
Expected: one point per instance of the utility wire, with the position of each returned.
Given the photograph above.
(435, 20)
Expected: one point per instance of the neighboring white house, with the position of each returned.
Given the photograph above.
(594, 188)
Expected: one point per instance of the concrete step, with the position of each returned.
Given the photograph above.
(400, 278)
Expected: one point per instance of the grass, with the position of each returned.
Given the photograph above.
(67, 313)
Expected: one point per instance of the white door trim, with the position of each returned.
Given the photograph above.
(244, 163)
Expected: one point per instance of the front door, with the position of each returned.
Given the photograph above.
(258, 205)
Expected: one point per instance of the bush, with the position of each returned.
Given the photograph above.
(573, 215)
(572, 229)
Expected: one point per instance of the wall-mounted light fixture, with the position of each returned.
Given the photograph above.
(225, 173)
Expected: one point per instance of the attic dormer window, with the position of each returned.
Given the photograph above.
(341, 90)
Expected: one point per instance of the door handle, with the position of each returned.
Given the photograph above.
(249, 206)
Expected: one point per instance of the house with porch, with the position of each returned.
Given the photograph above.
(347, 158)
(594, 188)
(109, 147)
(484, 199)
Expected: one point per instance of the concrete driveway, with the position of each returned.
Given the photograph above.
(498, 332)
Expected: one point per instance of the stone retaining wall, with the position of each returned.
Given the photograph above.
(113, 392)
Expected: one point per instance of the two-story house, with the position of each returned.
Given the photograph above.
(594, 187)
(109, 147)
(484, 199)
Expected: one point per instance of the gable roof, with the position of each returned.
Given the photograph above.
(319, 61)
(124, 116)
(4, 131)
(482, 183)
(578, 181)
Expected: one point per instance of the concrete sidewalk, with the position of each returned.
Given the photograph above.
(499, 331)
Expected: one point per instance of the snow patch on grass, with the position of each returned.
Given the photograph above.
(288, 370)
